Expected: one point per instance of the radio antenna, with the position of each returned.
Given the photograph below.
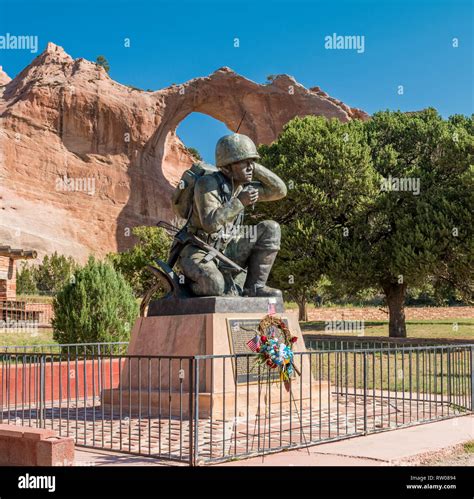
(238, 128)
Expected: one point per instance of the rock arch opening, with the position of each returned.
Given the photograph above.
(199, 133)
(225, 97)
(158, 169)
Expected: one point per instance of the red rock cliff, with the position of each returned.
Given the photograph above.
(65, 121)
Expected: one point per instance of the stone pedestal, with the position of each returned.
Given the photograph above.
(161, 386)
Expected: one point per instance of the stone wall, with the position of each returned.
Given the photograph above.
(25, 446)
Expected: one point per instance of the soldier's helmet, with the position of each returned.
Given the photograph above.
(233, 148)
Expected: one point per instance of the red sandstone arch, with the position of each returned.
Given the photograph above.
(72, 119)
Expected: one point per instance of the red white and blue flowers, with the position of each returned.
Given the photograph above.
(272, 351)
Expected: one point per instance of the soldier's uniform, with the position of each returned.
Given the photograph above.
(217, 216)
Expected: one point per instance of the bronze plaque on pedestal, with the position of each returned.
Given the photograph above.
(241, 331)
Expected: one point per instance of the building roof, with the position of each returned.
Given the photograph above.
(17, 254)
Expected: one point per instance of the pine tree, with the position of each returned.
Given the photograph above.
(326, 166)
(98, 306)
(152, 242)
(346, 218)
(102, 61)
(25, 280)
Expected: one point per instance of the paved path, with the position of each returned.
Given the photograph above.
(404, 446)
(413, 445)
(93, 457)
(168, 438)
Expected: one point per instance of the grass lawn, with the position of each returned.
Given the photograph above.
(35, 298)
(415, 329)
(425, 371)
(40, 337)
(454, 328)
(469, 447)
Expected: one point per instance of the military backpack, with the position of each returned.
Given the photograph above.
(183, 194)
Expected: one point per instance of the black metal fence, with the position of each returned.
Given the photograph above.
(321, 342)
(205, 409)
(70, 349)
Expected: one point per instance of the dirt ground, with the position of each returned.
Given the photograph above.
(463, 455)
(462, 459)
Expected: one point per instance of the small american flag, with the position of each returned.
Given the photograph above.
(271, 307)
(254, 343)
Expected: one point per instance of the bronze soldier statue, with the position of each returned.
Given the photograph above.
(216, 253)
(216, 217)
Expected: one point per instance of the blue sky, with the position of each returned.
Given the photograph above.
(407, 43)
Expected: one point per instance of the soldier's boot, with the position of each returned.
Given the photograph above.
(259, 267)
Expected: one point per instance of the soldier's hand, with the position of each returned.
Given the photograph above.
(248, 196)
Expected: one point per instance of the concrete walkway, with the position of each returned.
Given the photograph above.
(411, 445)
(414, 445)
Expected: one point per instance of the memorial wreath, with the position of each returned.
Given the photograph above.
(272, 351)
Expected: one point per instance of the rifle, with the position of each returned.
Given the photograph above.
(182, 237)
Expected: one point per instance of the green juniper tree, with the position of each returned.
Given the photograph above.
(53, 273)
(326, 166)
(25, 280)
(152, 242)
(382, 204)
(413, 236)
(102, 61)
(419, 223)
(97, 306)
(194, 153)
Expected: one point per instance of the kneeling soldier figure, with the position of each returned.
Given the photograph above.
(216, 217)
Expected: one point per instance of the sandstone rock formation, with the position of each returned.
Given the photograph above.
(83, 159)
(4, 78)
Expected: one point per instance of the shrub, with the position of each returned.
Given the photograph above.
(194, 153)
(54, 273)
(153, 242)
(98, 306)
(48, 277)
(25, 280)
(102, 61)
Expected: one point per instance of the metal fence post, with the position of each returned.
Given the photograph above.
(365, 393)
(42, 394)
(448, 367)
(472, 378)
(196, 413)
(191, 411)
(99, 369)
